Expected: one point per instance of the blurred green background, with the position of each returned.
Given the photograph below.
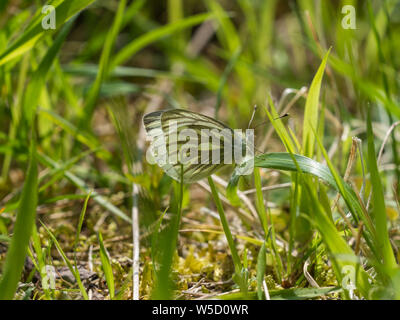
(71, 106)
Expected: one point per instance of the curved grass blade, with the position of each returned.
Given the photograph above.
(139, 43)
(285, 161)
(64, 10)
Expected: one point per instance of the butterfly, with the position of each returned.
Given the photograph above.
(193, 146)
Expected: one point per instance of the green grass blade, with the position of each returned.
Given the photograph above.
(261, 266)
(25, 220)
(38, 80)
(337, 246)
(75, 272)
(82, 137)
(164, 245)
(341, 254)
(80, 223)
(57, 174)
(16, 113)
(348, 194)
(379, 208)
(65, 11)
(84, 187)
(125, 286)
(226, 31)
(287, 161)
(225, 225)
(106, 264)
(104, 64)
(224, 78)
(285, 294)
(41, 263)
(311, 110)
(130, 49)
(260, 200)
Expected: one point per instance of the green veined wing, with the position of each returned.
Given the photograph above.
(208, 136)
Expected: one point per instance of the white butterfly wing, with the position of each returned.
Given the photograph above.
(163, 127)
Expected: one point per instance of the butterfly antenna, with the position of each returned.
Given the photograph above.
(259, 151)
(252, 116)
(265, 122)
(285, 115)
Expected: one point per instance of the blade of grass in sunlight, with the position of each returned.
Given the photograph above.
(106, 264)
(311, 110)
(25, 220)
(300, 228)
(284, 161)
(227, 32)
